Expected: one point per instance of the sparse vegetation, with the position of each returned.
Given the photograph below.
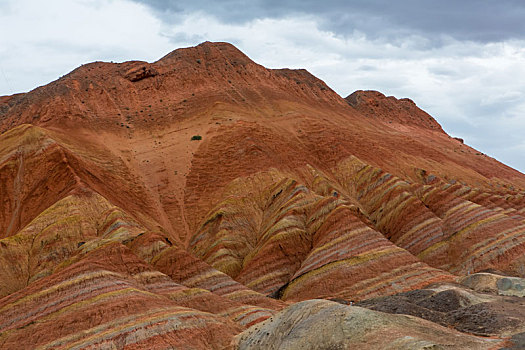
(196, 138)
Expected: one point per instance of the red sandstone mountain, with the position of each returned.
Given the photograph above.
(119, 228)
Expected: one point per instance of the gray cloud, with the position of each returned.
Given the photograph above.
(476, 20)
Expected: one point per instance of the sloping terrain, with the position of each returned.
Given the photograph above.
(343, 327)
(202, 201)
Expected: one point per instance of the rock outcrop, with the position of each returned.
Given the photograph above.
(377, 106)
(141, 71)
(322, 324)
(457, 307)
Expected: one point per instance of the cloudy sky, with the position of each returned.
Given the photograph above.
(461, 61)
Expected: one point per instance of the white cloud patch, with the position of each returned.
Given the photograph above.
(474, 89)
(42, 40)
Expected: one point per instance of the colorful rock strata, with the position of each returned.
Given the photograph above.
(294, 205)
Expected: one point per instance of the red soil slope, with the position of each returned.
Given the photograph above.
(113, 216)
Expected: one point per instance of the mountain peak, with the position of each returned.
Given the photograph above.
(208, 51)
(198, 77)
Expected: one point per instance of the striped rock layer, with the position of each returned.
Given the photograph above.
(121, 228)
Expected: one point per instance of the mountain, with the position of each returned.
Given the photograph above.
(202, 201)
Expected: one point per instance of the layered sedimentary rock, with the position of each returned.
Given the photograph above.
(108, 298)
(197, 201)
(284, 240)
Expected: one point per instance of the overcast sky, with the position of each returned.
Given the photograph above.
(461, 61)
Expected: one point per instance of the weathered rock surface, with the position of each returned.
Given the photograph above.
(375, 105)
(141, 71)
(321, 324)
(495, 284)
(119, 228)
(457, 307)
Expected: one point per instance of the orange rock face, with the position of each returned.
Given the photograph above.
(180, 202)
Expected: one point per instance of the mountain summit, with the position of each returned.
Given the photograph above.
(202, 201)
